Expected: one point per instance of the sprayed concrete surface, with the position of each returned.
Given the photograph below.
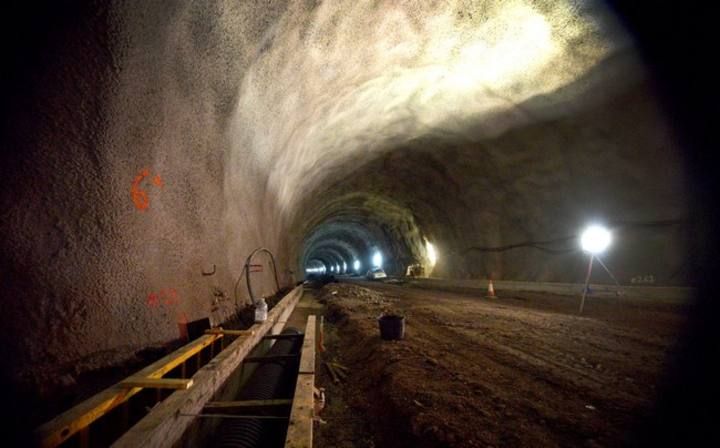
(520, 370)
(152, 146)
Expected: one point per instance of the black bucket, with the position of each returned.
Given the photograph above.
(392, 327)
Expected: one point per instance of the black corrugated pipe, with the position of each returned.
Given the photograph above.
(271, 380)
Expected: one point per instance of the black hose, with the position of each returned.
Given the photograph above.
(247, 271)
(541, 245)
(236, 285)
(271, 380)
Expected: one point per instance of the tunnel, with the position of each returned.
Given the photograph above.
(149, 147)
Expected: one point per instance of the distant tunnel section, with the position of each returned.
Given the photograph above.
(358, 231)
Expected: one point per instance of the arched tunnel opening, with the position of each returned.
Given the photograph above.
(149, 148)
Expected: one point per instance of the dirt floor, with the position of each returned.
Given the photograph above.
(521, 370)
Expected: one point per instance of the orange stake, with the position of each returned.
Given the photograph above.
(491, 291)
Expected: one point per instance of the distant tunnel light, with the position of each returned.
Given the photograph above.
(356, 265)
(595, 239)
(377, 260)
(431, 253)
(315, 270)
(344, 267)
(337, 268)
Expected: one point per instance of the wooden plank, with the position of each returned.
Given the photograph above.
(157, 383)
(231, 406)
(167, 422)
(302, 414)
(307, 355)
(228, 332)
(300, 428)
(65, 425)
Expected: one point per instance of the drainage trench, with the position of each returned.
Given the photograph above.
(273, 379)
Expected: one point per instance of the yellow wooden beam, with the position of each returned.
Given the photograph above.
(65, 425)
(157, 383)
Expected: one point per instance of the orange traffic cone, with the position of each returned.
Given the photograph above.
(491, 291)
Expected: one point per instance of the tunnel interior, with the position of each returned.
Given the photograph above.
(152, 144)
(489, 215)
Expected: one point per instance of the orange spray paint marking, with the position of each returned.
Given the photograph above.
(165, 297)
(169, 296)
(153, 300)
(139, 196)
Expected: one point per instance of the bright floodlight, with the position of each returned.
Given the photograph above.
(431, 254)
(595, 239)
(377, 260)
(356, 265)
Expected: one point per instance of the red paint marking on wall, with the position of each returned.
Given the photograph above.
(256, 268)
(139, 196)
(153, 300)
(169, 296)
(165, 297)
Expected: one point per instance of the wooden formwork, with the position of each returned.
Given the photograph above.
(167, 422)
(80, 417)
(164, 425)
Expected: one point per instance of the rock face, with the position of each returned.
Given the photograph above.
(144, 144)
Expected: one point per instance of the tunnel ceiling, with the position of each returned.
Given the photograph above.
(461, 123)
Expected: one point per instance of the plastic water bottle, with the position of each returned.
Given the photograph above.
(261, 310)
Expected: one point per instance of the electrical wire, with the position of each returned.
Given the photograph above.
(540, 245)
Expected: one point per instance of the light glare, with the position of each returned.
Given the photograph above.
(595, 239)
(377, 260)
(431, 253)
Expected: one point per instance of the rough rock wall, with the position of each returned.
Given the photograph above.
(116, 188)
